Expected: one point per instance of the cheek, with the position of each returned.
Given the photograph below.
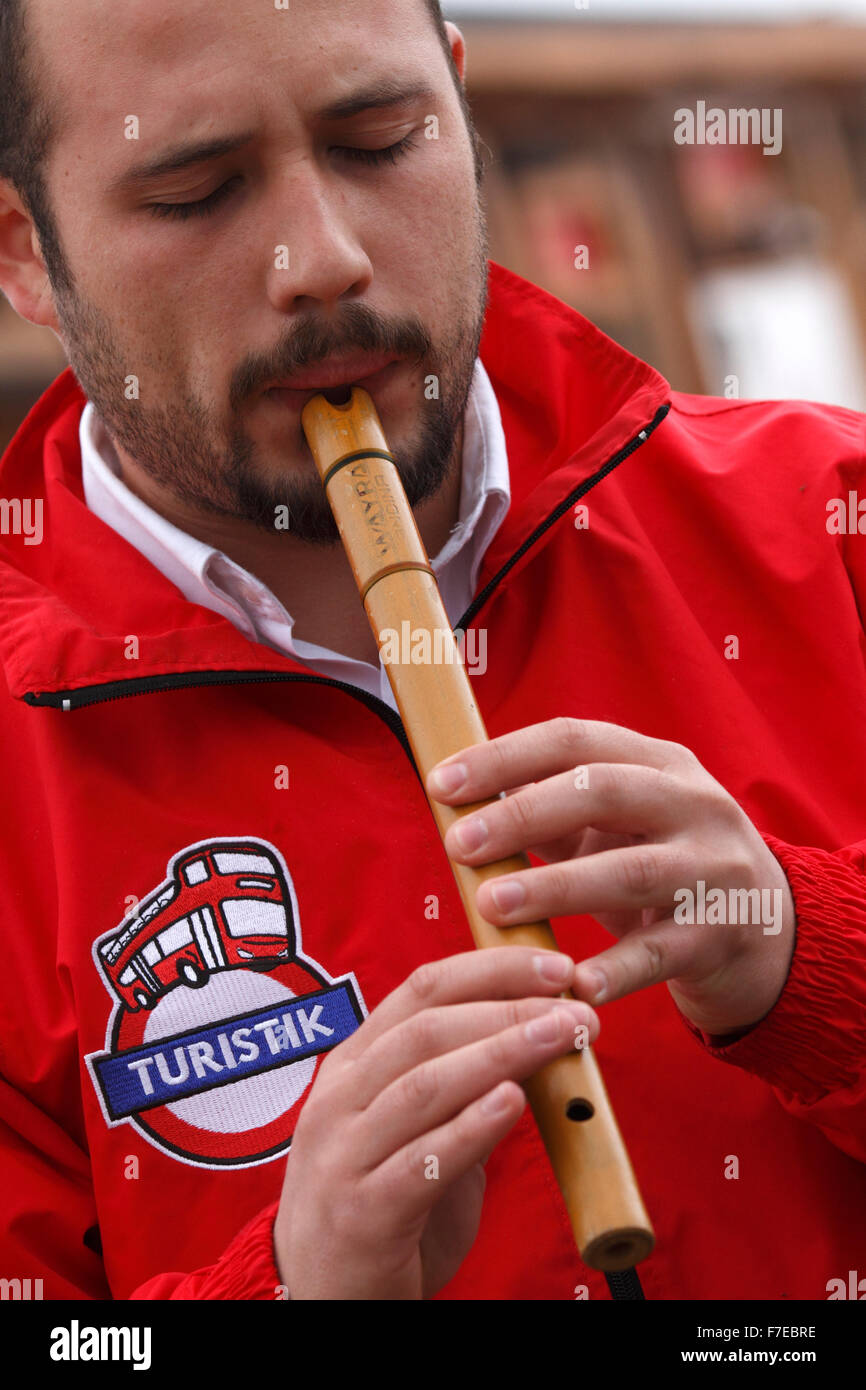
(429, 237)
(432, 198)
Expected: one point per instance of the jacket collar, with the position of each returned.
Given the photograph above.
(570, 398)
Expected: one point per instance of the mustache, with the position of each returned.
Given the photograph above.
(312, 341)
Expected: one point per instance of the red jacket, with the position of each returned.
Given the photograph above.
(152, 1072)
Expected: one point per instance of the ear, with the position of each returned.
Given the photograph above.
(458, 48)
(23, 277)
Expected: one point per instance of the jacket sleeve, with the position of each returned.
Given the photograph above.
(49, 1211)
(811, 1046)
(246, 1270)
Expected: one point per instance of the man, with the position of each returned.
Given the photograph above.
(229, 923)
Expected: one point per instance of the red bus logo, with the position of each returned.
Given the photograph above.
(225, 905)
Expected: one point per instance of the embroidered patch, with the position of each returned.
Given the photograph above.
(219, 1019)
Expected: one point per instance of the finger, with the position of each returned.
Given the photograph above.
(543, 750)
(623, 797)
(434, 1092)
(632, 877)
(502, 972)
(647, 956)
(405, 1186)
(433, 1032)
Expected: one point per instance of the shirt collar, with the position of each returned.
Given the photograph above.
(208, 577)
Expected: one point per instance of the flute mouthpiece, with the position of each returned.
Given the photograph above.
(335, 432)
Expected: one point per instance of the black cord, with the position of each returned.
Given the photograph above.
(625, 1287)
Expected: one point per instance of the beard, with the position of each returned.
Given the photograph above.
(184, 447)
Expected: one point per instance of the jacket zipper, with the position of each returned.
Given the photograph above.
(151, 685)
(190, 680)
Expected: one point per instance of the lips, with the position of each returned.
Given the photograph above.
(336, 373)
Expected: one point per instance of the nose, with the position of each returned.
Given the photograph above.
(319, 260)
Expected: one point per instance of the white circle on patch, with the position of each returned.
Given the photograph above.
(241, 1105)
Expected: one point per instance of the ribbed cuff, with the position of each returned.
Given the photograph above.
(247, 1269)
(813, 1040)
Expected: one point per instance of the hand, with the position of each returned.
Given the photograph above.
(627, 826)
(385, 1179)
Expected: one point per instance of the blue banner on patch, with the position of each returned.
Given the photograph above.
(188, 1063)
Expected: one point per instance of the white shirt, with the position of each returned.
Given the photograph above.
(209, 578)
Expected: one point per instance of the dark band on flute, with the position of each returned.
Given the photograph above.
(353, 458)
(396, 569)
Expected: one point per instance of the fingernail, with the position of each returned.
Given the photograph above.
(508, 896)
(449, 778)
(575, 1008)
(497, 1102)
(471, 833)
(554, 968)
(546, 1029)
(597, 986)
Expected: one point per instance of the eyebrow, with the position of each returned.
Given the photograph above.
(376, 97)
(380, 94)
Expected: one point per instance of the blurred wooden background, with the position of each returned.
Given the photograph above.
(698, 256)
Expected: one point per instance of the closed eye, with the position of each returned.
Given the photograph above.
(389, 155)
(355, 154)
(198, 209)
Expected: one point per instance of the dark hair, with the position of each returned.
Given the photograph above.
(434, 9)
(27, 129)
(28, 126)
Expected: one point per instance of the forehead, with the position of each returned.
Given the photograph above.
(181, 65)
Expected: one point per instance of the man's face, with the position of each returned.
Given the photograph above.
(344, 238)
